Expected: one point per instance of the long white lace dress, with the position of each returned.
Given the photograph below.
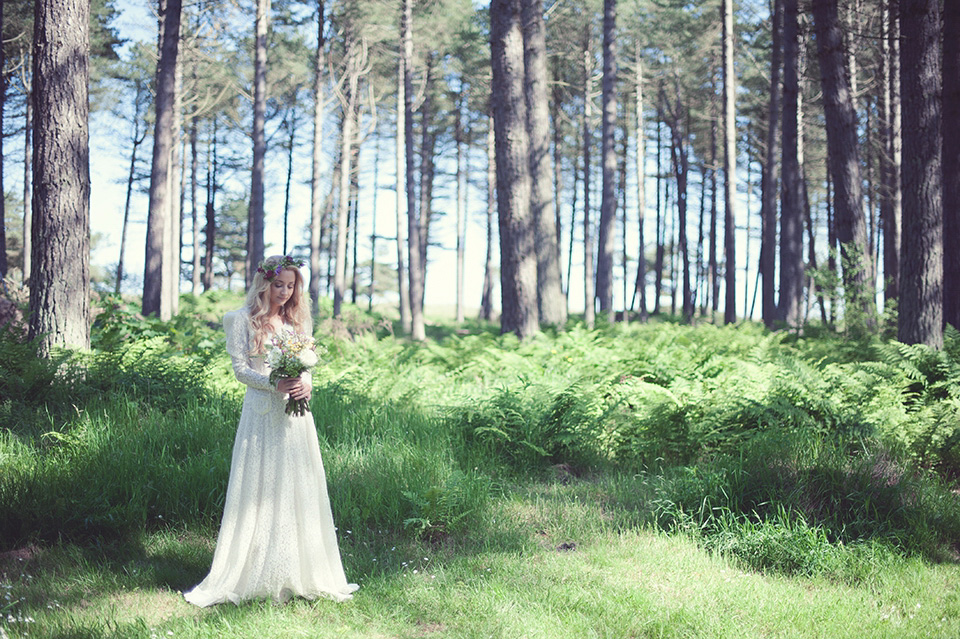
(277, 538)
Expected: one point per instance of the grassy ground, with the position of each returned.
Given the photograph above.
(634, 481)
(548, 563)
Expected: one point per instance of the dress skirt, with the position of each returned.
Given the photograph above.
(277, 538)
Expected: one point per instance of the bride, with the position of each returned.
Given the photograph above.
(277, 538)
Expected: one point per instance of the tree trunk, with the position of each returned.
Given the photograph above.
(255, 246)
(459, 140)
(418, 330)
(158, 217)
(589, 301)
(194, 207)
(951, 162)
(518, 265)
(658, 259)
(921, 257)
(401, 146)
(608, 199)
(138, 139)
(28, 189)
(291, 125)
(678, 155)
(844, 164)
(550, 301)
(729, 167)
(60, 284)
(353, 68)
(210, 211)
(316, 164)
(170, 302)
(792, 207)
(486, 300)
(769, 177)
(641, 155)
(428, 169)
(891, 212)
(3, 219)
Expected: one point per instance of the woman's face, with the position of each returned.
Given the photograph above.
(281, 288)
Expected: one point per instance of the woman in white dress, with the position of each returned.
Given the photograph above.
(277, 538)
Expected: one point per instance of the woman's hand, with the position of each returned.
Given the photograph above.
(294, 387)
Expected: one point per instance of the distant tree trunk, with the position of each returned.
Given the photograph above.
(194, 208)
(170, 301)
(792, 208)
(890, 202)
(60, 284)
(137, 140)
(418, 330)
(951, 162)
(316, 164)
(589, 301)
(769, 177)
(551, 305)
(28, 188)
(486, 300)
(3, 223)
(518, 266)
(158, 217)
(210, 211)
(729, 166)
(678, 154)
(354, 65)
(459, 139)
(844, 161)
(921, 257)
(713, 270)
(641, 154)
(401, 146)
(428, 167)
(608, 199)
(255, 246)
(291, 125)
(658, 260)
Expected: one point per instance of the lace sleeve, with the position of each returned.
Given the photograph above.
(237, 327)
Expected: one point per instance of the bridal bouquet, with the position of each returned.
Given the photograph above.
(290, 355)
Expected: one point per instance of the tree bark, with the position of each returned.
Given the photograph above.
(641, 155)
(60, 283)
(353, 68)
(891, 200)
(255, 246)
(844, 163)
(3, 97)
(770, 176)
(401, 146)
(158, 217)
(418, 330)
(551, 304)
(518, 265)
(921, 257)
(460, 141)
(137, 140)
(608, 199)
(28, 189)
(316, 164)
(589, 300)
(729, 167)
(210, 211)
(486, 299)
(792, 207)
(951, 162)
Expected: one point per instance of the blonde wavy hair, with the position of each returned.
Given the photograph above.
(296, 310)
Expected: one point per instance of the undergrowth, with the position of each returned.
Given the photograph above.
(799, 455)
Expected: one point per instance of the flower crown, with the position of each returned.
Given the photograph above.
(285, 262)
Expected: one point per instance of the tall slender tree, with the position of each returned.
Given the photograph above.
(793, 200)
(550, 301)
(608, 197)
(951, 162)
(518, 266)
(729, 166)
(60, 283)
(843, 159)
(920, 318)
(417, 328)
(255, 246)
(158, 217)
(770, 176)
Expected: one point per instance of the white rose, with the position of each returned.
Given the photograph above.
(273, 357)
(308, 358)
